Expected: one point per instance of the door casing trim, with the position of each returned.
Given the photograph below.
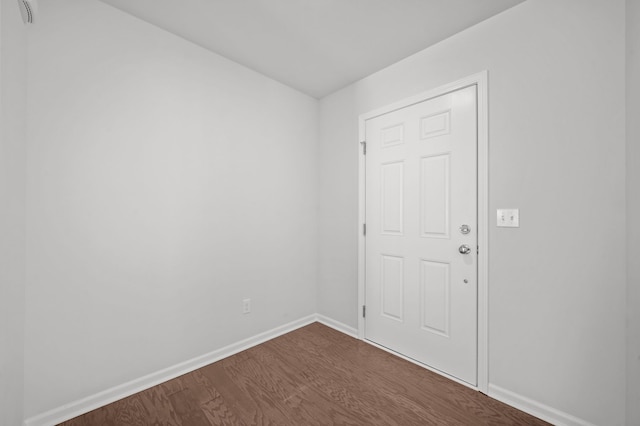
(481, 80)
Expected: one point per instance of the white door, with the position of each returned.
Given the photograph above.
(421, 232)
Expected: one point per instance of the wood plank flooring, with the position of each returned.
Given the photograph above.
(311, 376)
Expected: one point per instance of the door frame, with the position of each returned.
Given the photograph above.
(481, 81)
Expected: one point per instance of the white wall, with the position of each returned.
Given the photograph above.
(338, 221)
(13, 47)
(557, 152)
(633, 212)
(165, 184)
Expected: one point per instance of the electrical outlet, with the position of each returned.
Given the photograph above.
(246, 306)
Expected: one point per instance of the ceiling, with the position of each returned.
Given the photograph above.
(315, 46)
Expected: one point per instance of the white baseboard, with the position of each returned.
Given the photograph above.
(82, 406)
(337, 325)
(535, 408)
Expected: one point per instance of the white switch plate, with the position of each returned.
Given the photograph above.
(508, 218)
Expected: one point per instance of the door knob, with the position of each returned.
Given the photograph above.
(464, 249)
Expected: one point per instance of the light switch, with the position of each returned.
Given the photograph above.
(508, 218)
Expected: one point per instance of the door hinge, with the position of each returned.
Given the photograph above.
(364, 311)
(364, 147)
(477, 249)
(364, 229)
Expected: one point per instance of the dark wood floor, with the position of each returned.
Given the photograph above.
(312, 376)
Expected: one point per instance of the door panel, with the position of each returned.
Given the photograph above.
(421, 186)
(434, 296)
(392, 287)
(392, 205)
(434, 196)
